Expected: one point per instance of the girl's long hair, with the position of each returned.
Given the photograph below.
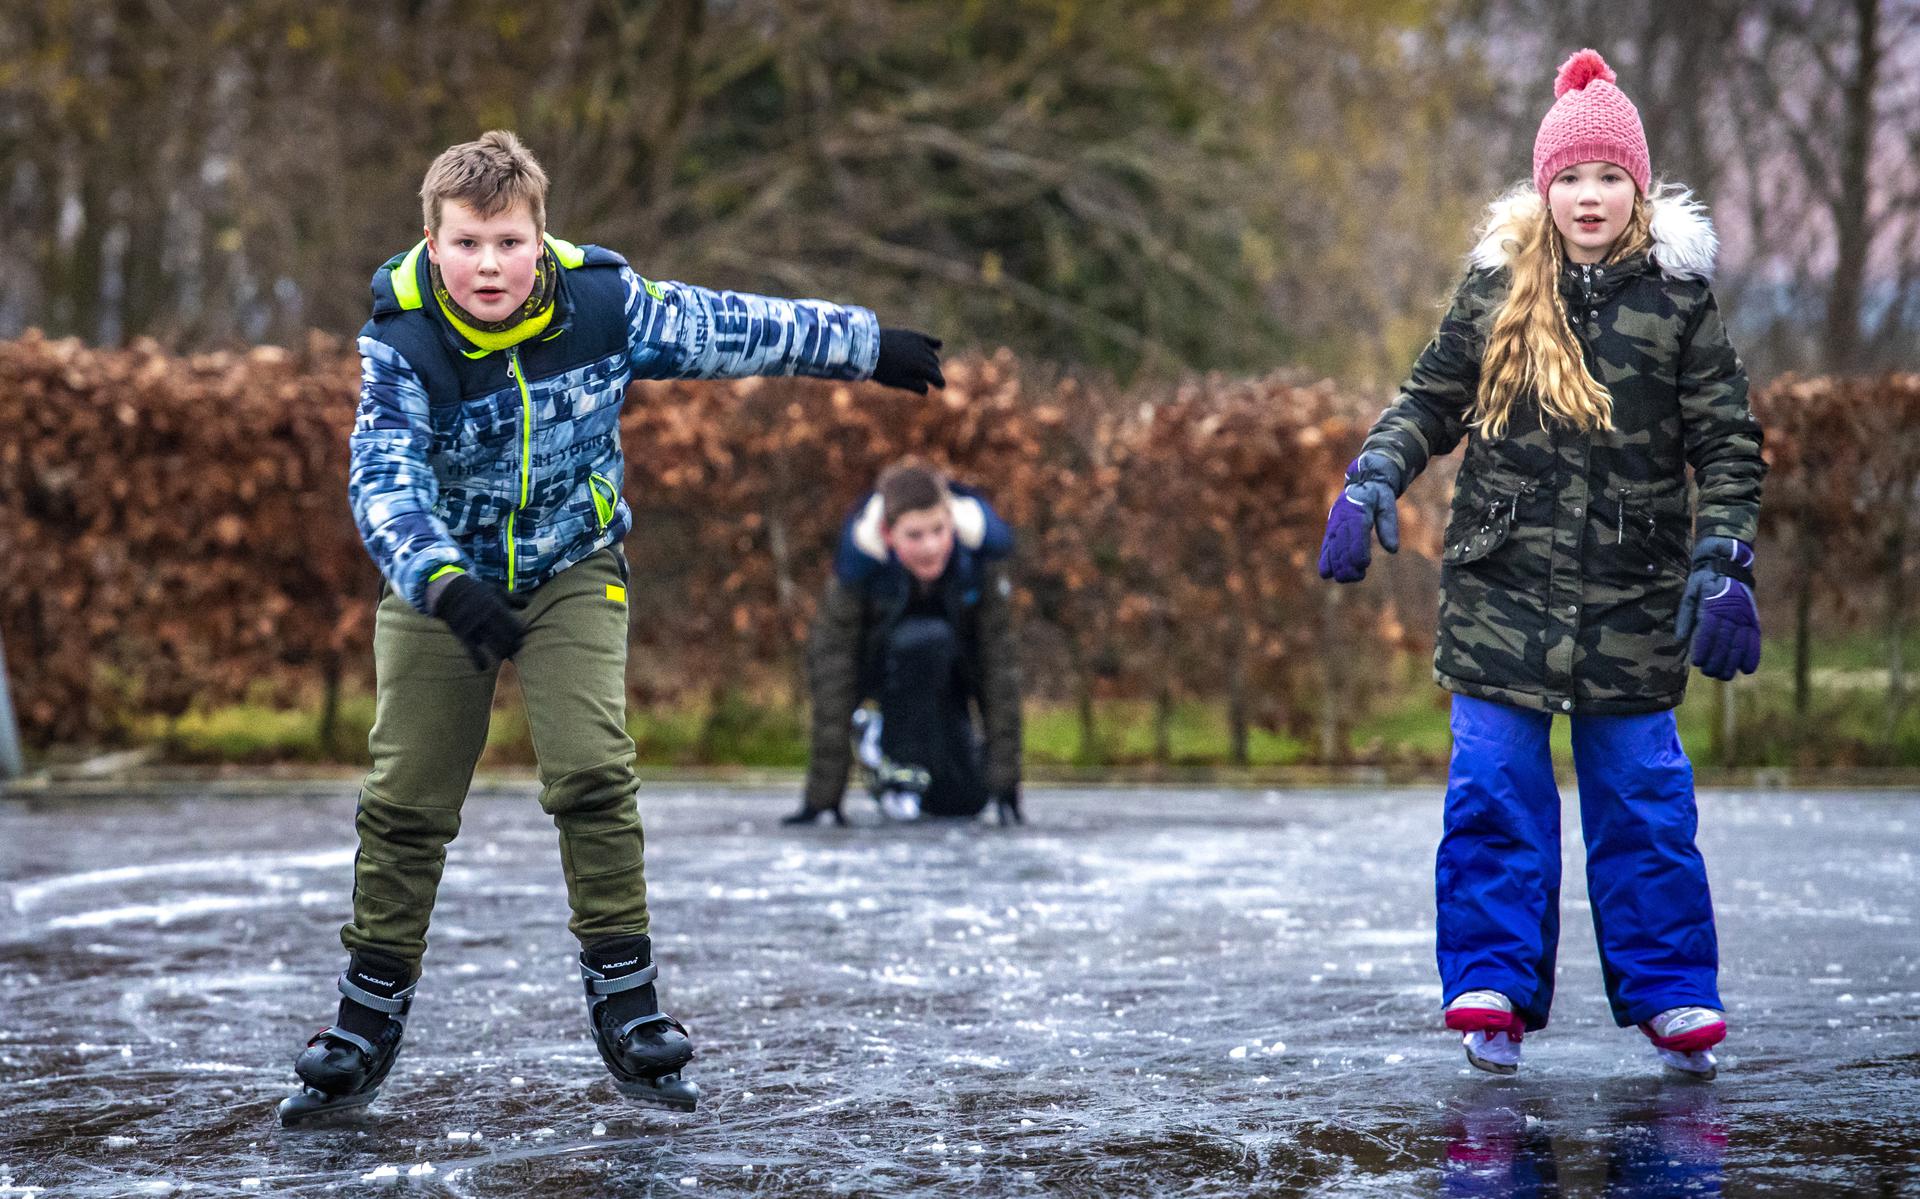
(1531, 348)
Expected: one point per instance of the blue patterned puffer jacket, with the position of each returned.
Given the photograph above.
(507, 463)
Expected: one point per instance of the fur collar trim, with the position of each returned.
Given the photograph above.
(1684, 243)
(969, 525)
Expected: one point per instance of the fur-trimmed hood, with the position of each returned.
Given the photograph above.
(1684, 243)
(977, 530)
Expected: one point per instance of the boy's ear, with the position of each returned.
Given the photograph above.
(431, 254)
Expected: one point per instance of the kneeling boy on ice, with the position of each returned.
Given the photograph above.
(918, 619)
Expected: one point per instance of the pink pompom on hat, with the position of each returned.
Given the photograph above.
(1591, 121)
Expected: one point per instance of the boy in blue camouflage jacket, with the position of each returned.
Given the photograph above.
(486, 481)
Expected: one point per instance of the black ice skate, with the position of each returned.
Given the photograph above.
(899, 790)
(644, 1048)
(343, 1066)
(897, 787)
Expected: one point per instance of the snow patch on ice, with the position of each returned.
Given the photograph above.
(989, 1061)
(1381, 937)
(26, 895)
(164, 913)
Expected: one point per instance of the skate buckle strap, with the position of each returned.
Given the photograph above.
(601, 985)
(642, 1022)
(379, 1003)
(358, 1042)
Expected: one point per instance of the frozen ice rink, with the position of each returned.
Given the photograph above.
(1142, 993)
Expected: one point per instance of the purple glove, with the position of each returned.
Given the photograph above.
(1364, 507)
(1717, 612)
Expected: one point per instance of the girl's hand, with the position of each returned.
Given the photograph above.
(1718, 613)
(1365, 507)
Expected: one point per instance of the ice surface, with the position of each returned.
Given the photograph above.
(1142, 992)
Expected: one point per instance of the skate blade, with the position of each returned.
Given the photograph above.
(669, 1091)
(1503, 1069)
(312, 1107)
(1500, 1045)
(1679, 1066)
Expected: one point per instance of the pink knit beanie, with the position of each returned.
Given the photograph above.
(1591, 121)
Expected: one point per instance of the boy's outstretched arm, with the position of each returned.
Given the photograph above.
(679, 331)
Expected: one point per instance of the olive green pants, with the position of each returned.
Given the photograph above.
(430, 726)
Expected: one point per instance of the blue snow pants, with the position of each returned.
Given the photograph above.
(1497, 880)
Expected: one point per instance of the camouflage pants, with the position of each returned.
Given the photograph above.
(430, 726)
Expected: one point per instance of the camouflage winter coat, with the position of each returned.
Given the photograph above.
(1566, 553)
(865, 600)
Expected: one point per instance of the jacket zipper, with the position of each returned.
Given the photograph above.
(603, 504)
(526, 455)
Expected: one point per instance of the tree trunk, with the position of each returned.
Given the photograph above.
(1163, 691)
(786, 599)
(1897, 602)
(1803, 620)
(11, 765)
(717, 712)
(1333, 705)
(1088, 751)
(330, 705)
(1726, 731)
(1852, 221)
(1163, 724)
(1237, 691)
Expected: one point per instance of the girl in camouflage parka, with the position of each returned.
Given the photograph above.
(1585, 364)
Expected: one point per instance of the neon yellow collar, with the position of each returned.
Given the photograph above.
(489, 343)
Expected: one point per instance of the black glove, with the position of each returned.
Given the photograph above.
(1006, 807)
(482, 616)
(908, 360)
(807, 815)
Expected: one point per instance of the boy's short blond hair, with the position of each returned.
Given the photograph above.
(490, 176)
